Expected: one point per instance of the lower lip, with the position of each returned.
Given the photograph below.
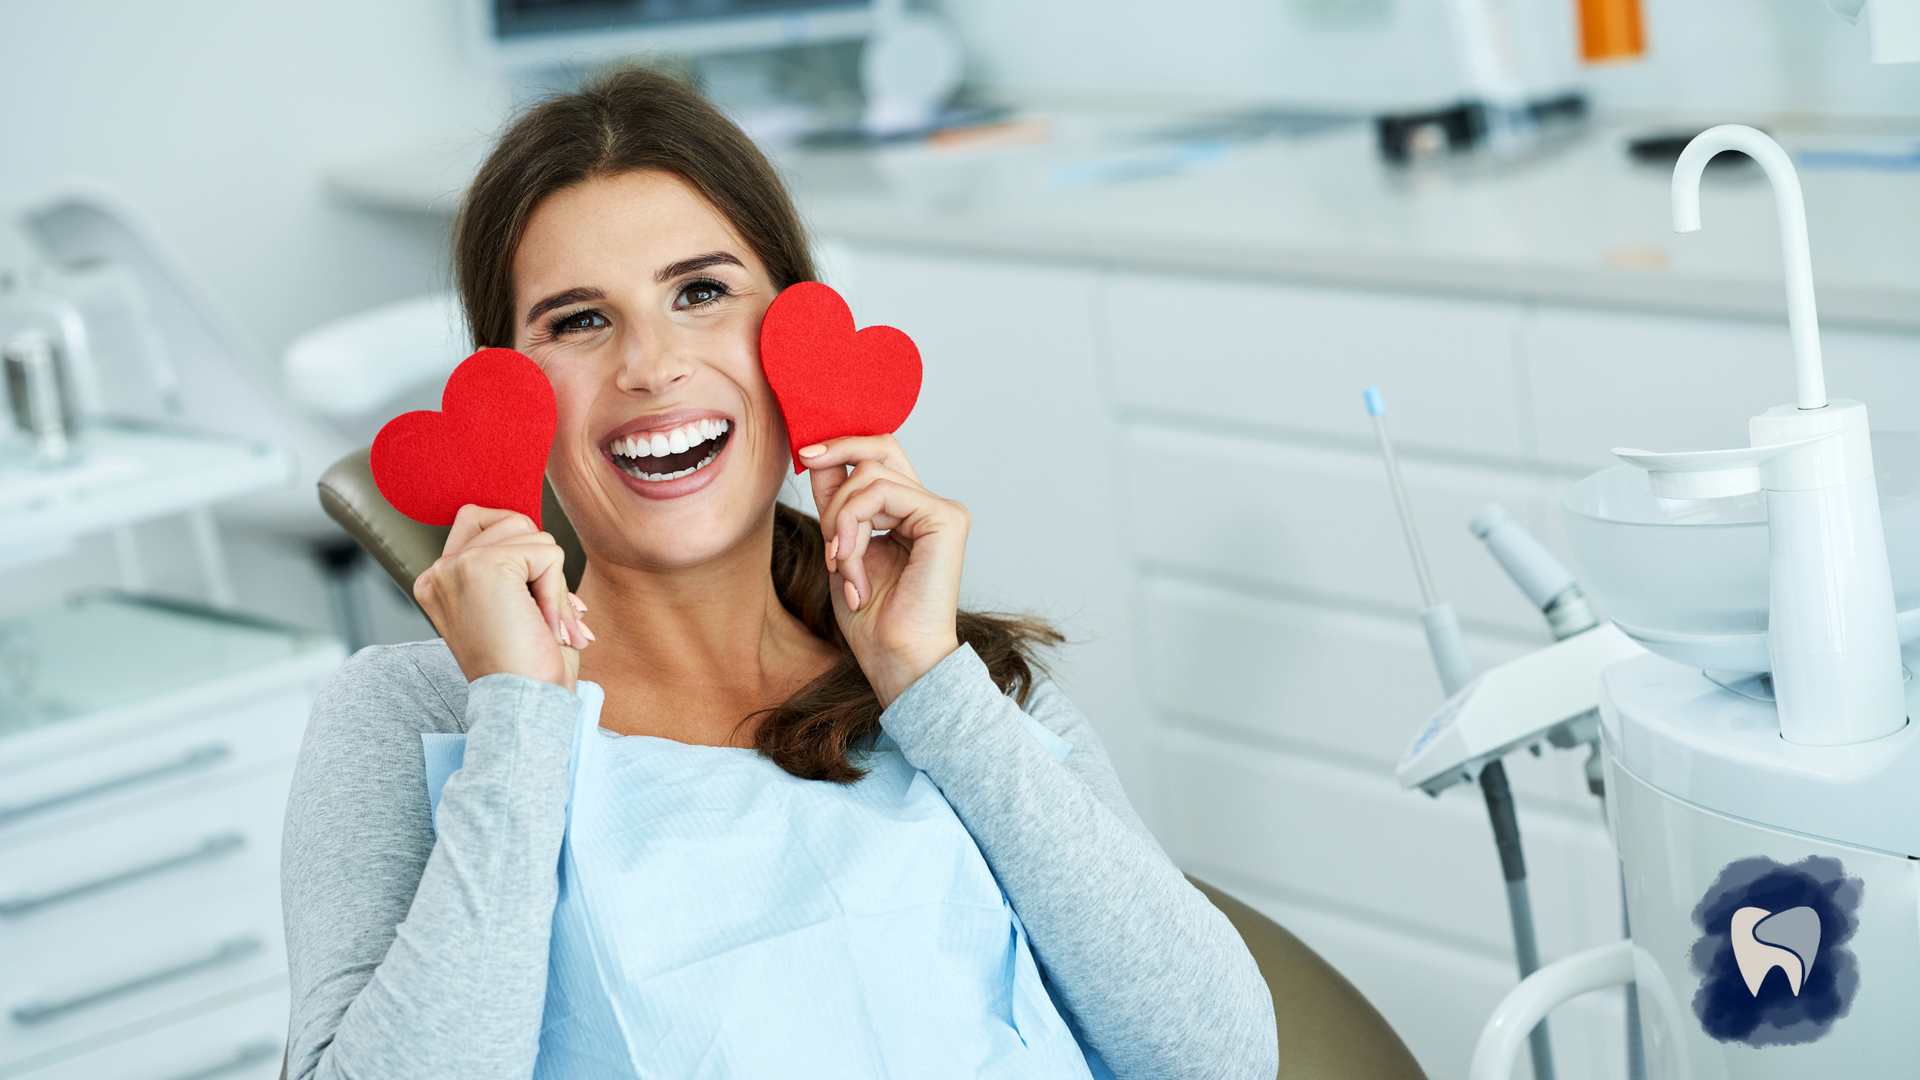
(673, 489)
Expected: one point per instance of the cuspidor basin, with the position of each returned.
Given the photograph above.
(1687, 578)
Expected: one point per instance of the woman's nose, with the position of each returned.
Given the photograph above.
(649, 362)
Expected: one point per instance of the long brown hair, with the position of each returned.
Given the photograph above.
(634, 119)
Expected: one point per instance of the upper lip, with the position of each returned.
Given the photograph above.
(665, 421)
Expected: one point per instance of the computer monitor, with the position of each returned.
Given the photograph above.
(527, 33)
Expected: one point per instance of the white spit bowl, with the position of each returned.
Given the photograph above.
(1687, 578)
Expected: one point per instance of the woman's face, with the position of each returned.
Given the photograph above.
(643, 307)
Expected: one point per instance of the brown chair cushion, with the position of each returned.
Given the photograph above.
(1327, 1030)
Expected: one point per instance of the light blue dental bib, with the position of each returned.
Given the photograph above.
(719, 918)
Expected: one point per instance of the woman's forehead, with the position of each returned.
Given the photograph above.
(631, 223)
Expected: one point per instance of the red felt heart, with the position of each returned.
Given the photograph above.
(832, 382)
(486, 446)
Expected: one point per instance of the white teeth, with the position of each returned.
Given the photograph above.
(677, 441)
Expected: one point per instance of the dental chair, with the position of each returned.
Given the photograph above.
(1327, 1030)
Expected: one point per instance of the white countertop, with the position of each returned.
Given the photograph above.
(1582, 224)
(126, 473)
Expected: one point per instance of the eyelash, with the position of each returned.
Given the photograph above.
(718, 288)
(560, 327)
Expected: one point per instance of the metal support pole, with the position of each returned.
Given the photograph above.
(1513, 866)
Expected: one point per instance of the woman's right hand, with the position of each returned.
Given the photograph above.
(498, 595)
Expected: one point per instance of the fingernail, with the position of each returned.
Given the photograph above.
(853, 597)
(561, 633)
(577, 605)
(812, 451)
(588, 634)
(833, 549)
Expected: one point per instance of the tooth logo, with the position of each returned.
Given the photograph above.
(1763, 940)
(1760, 917)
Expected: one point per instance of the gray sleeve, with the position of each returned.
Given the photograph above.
(410, 958)
(1157, 978)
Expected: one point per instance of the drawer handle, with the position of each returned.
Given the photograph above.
(230, 951)
(213, 847)
(200, 757)
(252, 1053)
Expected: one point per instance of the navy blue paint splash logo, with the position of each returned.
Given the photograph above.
(1774, 970)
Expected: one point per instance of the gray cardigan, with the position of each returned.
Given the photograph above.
(414, 959)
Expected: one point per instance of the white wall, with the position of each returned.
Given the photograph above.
(1734, 55)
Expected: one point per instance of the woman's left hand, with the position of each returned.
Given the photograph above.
(897, 595)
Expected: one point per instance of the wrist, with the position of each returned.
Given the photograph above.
(902, 668)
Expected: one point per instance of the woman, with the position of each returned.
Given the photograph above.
(809, 818)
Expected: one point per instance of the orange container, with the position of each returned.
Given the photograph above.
(1611, 30)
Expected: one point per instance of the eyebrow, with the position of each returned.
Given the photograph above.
(562, 299)
(698, 262)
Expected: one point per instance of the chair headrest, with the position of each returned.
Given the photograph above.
(402, 546)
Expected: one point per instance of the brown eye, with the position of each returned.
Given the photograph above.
(698, 293)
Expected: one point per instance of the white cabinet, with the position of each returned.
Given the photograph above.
(140, 820)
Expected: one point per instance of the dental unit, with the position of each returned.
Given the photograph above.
(1762, 774)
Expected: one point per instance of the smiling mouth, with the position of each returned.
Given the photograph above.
(671, 453)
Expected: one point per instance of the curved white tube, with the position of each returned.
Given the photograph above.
(1539, 994)
(1790, 207)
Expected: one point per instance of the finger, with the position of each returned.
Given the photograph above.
(544, 549)
(854, 449)
(882, 503)
(472, 521)
(862, 478)
(826, 484)
(854, 568)
(547, 580)
(423, 591)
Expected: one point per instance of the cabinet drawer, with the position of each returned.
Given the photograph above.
(1353, 842)
(58, 991)
(160, 863)
(244, 1040)
(1326, 681)
(1298, 357)
(1323, 521)
(158, 763)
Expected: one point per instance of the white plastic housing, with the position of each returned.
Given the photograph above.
(1541, 576)
(1510, 706)
(1831, 633)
